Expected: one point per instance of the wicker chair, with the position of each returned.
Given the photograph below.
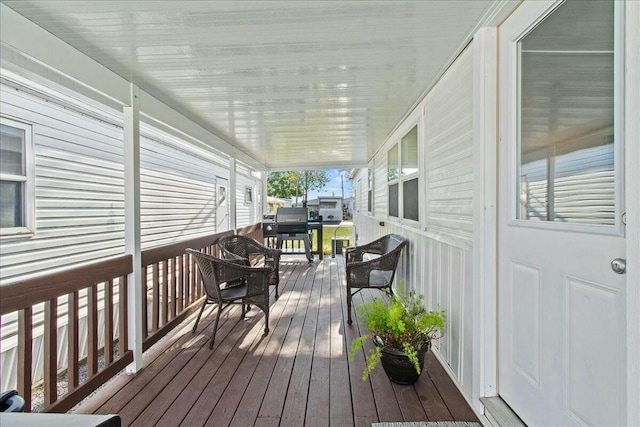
(246, 251)
(378, 272)
(250, 285)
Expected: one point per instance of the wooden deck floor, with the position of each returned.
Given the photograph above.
(298, 374)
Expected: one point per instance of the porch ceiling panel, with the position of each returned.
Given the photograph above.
(292, 84)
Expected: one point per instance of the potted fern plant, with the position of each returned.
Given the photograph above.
(402, 332)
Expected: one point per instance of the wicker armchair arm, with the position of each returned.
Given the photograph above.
(255, 277)
(354, 254)
(236, 259)
(386, 262)
(273, 253)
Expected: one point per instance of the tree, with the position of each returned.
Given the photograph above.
(290, 184)
(311, 180)
(281, 184)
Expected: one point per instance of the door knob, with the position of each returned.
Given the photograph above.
(619, 265)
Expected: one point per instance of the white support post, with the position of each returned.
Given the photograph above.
(485, 149)
(264, 195)
(232, 192)
(132, 227)
(632, 206)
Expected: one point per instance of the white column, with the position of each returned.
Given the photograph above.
(264, 194)
(632, 182)
(232, 192)
(132, 226)
(485, 140)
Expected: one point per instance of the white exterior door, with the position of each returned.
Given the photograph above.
(561, 307)
(222, 204)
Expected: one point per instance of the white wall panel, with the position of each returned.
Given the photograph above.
(246, 213)
(380, 184)
(449, 152)
(178, 192)
(78, 188)
(438, 260)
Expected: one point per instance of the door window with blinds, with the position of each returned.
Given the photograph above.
(16, 181)
(566, 117)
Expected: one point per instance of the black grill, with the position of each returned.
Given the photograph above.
(292, 224)
(292, 220)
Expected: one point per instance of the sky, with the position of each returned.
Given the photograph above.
(333, 187)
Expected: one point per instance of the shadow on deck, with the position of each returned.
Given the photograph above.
(298, 374)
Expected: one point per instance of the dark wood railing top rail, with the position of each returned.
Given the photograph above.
(250, 229)
(26, 293)
(163, 253)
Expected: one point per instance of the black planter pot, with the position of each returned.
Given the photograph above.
(397, 365)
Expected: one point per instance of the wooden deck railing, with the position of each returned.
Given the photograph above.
(108, 277)
(172, 282)
(173, 290)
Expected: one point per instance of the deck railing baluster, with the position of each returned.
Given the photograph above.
(108, 322)
(155, 306)
(145, 294)
(25, 355)
(180, 273)
(164, 296)
(50, 351)
(123, 322)
(92, 330)
(72, 341)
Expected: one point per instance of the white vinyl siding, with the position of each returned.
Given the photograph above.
(79, 181)
(178, 192)
(449, 148)
(246, 213)
(380, 185)
(438, 260)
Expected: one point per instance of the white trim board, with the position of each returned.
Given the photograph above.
(632, 138)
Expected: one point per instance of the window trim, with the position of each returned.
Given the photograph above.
(248, 195)
(28, 202)
(415, 121)
(371, 188)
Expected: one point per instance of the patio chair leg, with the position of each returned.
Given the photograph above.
(199, 315)
(349, 321)
(266, 322)
(215, 327)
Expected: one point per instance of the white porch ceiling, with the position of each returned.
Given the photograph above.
(305, 84)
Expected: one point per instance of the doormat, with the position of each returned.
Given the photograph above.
(429, 424)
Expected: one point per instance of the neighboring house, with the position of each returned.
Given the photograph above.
(349, 207)
(273, 203)
(328, 207)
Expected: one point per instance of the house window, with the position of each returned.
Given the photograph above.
(16, 178)
(402, 177)
(392, 179)
(328, 205)
(370, 188)
(409, 178)
(567, 148)
(248, 195)
(356, 192)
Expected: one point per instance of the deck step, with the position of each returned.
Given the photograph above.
(499, 413)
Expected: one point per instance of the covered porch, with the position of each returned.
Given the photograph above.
(299, 374)
(139, 129)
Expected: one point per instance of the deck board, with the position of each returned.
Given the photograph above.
(297, 375)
